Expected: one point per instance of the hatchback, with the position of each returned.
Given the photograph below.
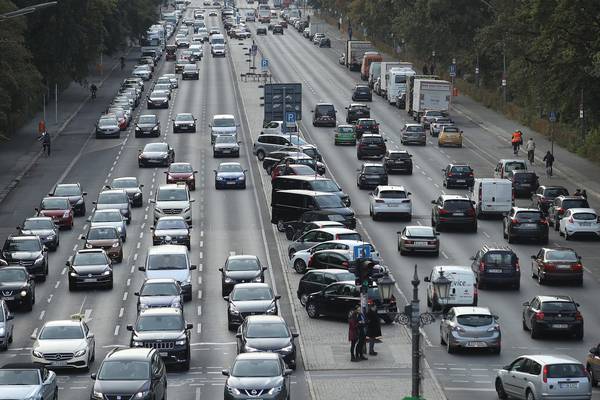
(421, 239)
(366, 125)
(560, 205)
(249, 299)
(525, 223)
(544, 196)
(344, 134)
(371, 145)
(552, 314)
(450, 135)
(496, 265)
(362, 93)
(241, 269)
(470, 328)
(583, 222)
(371, 175)
(453, 210)
(356, 111)
(524, 183)
(458, 175)
(315, 236)
(413, 134)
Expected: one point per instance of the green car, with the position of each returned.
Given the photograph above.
(344, 134)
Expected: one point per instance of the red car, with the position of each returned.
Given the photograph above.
(182, 172)
(59, 209)
(294, 169)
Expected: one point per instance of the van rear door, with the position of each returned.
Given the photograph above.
(496, 196)
(462, 289)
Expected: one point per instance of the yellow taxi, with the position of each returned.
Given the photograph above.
(450, 136)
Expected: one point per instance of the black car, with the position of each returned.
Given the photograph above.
(277, 29)
(164, 329)
(131, 186)
(324, 42)
(126, 372)
(29, 252)
(90, 268)
(324, 115)
(524, 183)
(525, 223)
(561, 204)
(545, 195)
(552, 314)
(330, 259)
(371, 145)
(458, 175)
(365, 125)
(317, 279)
(249, 299)
(159, 154)
(44, 228)
(356, 111)
(261, 30)
(159, 292)
(362, 93)
(267, 333)
(454, 210)
(398, 161)
(257, 373)
(171, 229)
(496, 265)
(190, 71)
(309, 182)
(558, 264)
(371, 175)
(147, 125)
(73, 192)
(241, 269)
(273, 158)
(184, 122)
(18, 287)
(295, 229)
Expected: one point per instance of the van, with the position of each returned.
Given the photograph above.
(289, 205)
(309, 182)
(505, 167)
(463, 289)
(374, 72)
(368, 58)
(492, 196)
(324, 115)
(216, 39)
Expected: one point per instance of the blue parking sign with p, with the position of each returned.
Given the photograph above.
(264, 63)
(362, 252)
(290, 117)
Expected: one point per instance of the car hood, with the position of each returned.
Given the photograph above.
(242, 275)
(38, 232)
(155, 301)
(268, 343)
(180, 175)
(22, 255)
(146, 126)
(120, 387)
(253, 305)
(224, 129)
(12, 286)
(184, 122)
(89, 269)
(18, 391)
(59, 346)
(172, 204)
(116, 225)
(107, 206)
(345, 211)
(154, 154)
(230, 174)
(160, 335)
(226, 145)
(52, 213)
(180, 275)
(255, 383)
(102, 242)
(171, 232)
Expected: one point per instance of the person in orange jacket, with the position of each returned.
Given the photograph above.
(517, 140)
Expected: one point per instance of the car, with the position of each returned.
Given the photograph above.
(310, 182)
(164, 328)
(450, 135)
(525, 223)
(164, 88)
(173, 79)
(371, 175)
(324, 42)
(6, 325)
(18, 380)
(413, 134)
(125, 372)
(110, 217)
(212, 13)
(217, 50)
(312, 220)
(365, 125)
(332, 258)
(317, 279)
(108, 126)
(437, 124)
(29, 252)
(131, 186)
(458, 175)
(558, 264)
(496, 265)
(182, 42)
(261, 30)
(147, 125)
(159, 153)
(171, 230)
(430, 115)
(356, 111)
(361, 92)
(268, 143)
(371, 145)
(545, 195)
(316, 37)
(222, 124)
(470, 328)
(506, 166)
(158, 100)
(173, 199)
(196, 50)
(171, 50)
(319, 235)
(114, 198)
(181, 63)
(90, 268)
(398, 161)
(263, 371)
(344, 134)
(560, 205)
(418, 239)
(18, 287)
(291, 170)
(59, 209)
(117, 113)
(230, 174)
(181, 172)
(300, 259)
(184, 122)
(524, 183)
(542, 374)
(552, 314)
(390, 200)
(64, 344)
(170, 261)
(226, 146)
(241, 269)
(279, 128)
(142, 72)
(107, 238)
(454, 210)
(580, 222)
(324, 115)
(159, 293)
(190, 71)
(42, 227)
(267, 333)
(277, 29)
(74, 193)
(249, 299)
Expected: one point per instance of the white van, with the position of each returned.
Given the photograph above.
(492, 196)
(463, 290)
(507, 166)
(217, 38)
(396, 82)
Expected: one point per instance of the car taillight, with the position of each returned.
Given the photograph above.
(345, 264)
(578, 316)
(409, 241)
(481, 266)
(560, 210)
(442, 211)
(571, 220)
(310, 261)
(543, 221)
(548, 267)
(471, 174)
(431, 242)
(514, 221)
(545, 374)
(379, 201)
(450, 174)
(577, 267)
(539, 315)
(517, 266)
(471, 212)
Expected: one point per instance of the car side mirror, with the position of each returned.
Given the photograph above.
(130, 327)
(84, 194)
(141, 268)
(594, 351)
(225, 372)
(426, 279)
(238, 335)
(277, 297)
(93, 376)
(68, 263)
(433, 202)
(226, 298)
(34, 337)
(265, 268)
(472, 258)
(295, 334)
(189, 326)
(534, 257)
(193, 267)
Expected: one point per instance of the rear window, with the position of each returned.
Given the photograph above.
(499, 258)
(555, 192)
(529, 215)
(376, 170)
(475, 320)
(585, 216)
(326, 110)
(348, 236)
(461, 169)
(558, 306)
(524, 177)
(457, 205)
(578, 203)
(396, 156)
(372, 140)
(414, 129)
(561, 255)
(566, 371)
(392, 194)
(511, 166)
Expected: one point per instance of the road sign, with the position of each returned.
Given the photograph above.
(290, 118)
(362, 252)
(552, 116)
(264, 63)
(276, 108)
(452, 70)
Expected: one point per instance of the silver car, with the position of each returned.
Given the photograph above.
(27, 381)
(413, 133)
(470, 328)
(109, 217)
(417, 238)
(226, 146)
(6, 325)
(532, 377)
(115, 198)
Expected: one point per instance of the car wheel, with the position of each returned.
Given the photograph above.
(72, 286)
(567, 236)
(303, 299)
(312, 310)
(291, 253)
(540, 278)
(500, 390)
(529, 395)
(109, 286)
(535, 333)
(120, 258)
(260, 155)
(449, 348)
(186, 365)
(29, 305)
(579, 334)
(593, 378)
(280, 226)
(300, 266)
(510, 238)
(524, 325)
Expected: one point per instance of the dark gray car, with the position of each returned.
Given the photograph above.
(44, 228)
(240, 269)
(159, 292)
(147, 125)
(249, 299)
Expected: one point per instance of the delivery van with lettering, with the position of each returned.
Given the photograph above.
(462, 291)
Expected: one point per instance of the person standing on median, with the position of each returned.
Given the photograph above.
(353, 333)
(373, 327)
(362, 336)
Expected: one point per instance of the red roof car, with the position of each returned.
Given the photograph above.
(182, 172)
(59, 209)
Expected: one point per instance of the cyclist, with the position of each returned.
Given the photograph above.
(549, 159)
(530, 147)
(45, 139)
(93, 89)
(517, 140)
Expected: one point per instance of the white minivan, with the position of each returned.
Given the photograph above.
(463, 290)
(507, 166)
(492, 196)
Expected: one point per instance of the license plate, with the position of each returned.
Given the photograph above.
(529, 225)
(460, 181)
(560, 326)
(476, 344)
(231, 183)
(392, 205)
(90, 280)
(525, 184)
(226, 151)
(495, 271)
(563, 266)
(420, 244)
(585, 224)
(163, 354)
(567, 385)
(59, 363)
(399, 162)
(459, 214)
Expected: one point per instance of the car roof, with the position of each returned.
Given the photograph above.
(260, 355)
(471, 310)
(454, 197)
(24, 237)
(348, 125)
(159, 280)
(413, 124)
(88, 251)
(106, 210)
(526, 209)
(582, 210)
(265, 319)
(545, 359)
(68, 185)
(38, 219)
(398, 151)
(168, 249)
(23, 365)
(172, 186)
(333, 271)
(419, 227)
(357, 105)
(343, 252)
(161, 311)
(562, 197)
(242, 257)
(230, 163)
(63, 322)
(219, 116)
(506, 160)
(390, 187)
(372, 164)
(303, 177)
(135, 353)
(560, 298)
(367, 135)
(251, 285)
(119, 191)
(335, 229)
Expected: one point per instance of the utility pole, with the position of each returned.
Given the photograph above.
(504, 73)
(581, 117)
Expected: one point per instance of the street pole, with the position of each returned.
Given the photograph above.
(503, 74)
(416, 336)
(581, 115)
(283, 112)
(56, 103)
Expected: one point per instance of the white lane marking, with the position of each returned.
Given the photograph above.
(117, 330)
(128, 282)
(75, 247)
(200, 280)
(201, 255)
(57, 285)
(202, 243)
(143, 225)
(138, 245)
(132, 269)
(141, 235)
(50, 297)
(199, 294)
(486, 234)
(436, 185)
(135, 257)
(444, 254)
(87, 315)
(201, 233)
(121, 311)
(85, 227)
(42, 315)
(125, 296)
(198, 393)
(199, 328)
(64, 270)
(199, 310)
(34, 333)
(200, 267)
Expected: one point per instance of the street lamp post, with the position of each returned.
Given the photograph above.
(432, 62)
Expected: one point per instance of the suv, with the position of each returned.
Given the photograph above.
(324, 115)
(241, 269)
(525, 223)
(18, 287)
(524, 183)
(458, 175)
(545, 195)
(266, 143)
(398, 161)
(365, 125)
(453, 210)
(356, 111)
(371, 145)
(126, 372)
(44, 228)
(496, 265)
(164, 329)
(173, 199)
(556, 314)
(170, 261)
(557, 263)
(29, 252)
(561, 204)
(430, 115)
(115, 198)
(362, 92)
(413, 133)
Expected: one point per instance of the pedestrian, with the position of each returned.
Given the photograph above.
(353, 333)
(45, 139)
(93, 90)
(362, 336)
(425, 70)
(530, 148)
(581, 193)
(432, 69)
(373, 327)
(549, 159)
(340, 24)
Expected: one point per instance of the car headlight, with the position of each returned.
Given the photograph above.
(287, 349)
(276, 389)
(233, 390)
(137, 194)
(119, 229)
(219, 178)
(2, 331)
(241, 178)
(229, 280)
(79, 353)
(37, 354)
(136, 343)
(137, 128)
(97, 394)
(250, 349)
(176, 303)
(73, 274)
(66, 214)
(115, 244)
(107, 272)
(142, 394)
(180, 342)
(257, 279)
(191, 177)
(50, 237)
(23, 293)
(163, 156)
(40, 259)
(157, 209)
(155, 128)
(233, 309)
(272, 309)
(88, 246)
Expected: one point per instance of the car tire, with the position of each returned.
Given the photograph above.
(29, 305)
(260, 155)
(524, 325)
(280, 226)
(186, 365)
(579, 334)
(593, 379)
(529, 395)
(300, 266)
(109, 286)
(303, 298)
(540, 278)
(72, 287)
(535, 333)
(312, 310)
(120, 258)
(500, 390)
(449, 348)
(510, 238)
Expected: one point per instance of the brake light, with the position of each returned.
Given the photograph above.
(545, 375)
(539, 315)
(471, 212)
(543, 221)
(517, 266)
(578, 316)
(450, 174)
(481, 266)
(345, 264)
(431, 242)
(548, 267)
(514, 221)
(471, 174)
(442, 211)
(577, 267)
(409, 241)
(560, 210)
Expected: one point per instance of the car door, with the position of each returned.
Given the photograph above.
(320, 260)
(537, 262)
(308, 240)
(534, 306)
(445, 323)
(48, 384)
(350, 297)
(329, 298)
(510, 379)
(521, 376)
(89, 338)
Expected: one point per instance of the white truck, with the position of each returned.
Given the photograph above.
(429, 94)
(386, 66)
(355, 49)
(315, 27)
(396, 84)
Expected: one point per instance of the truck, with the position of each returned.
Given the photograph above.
(264, 14)
(395, 92)
(386, 66)
(315, 27)
(427, 94)
(355, 50)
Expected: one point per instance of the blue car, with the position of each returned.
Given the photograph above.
(27, 381)
(230, 175)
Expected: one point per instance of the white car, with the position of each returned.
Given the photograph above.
(390, 200)
(217, 50)
(173, 199)
(320, 235)
(300, 258)
(64, 344)
(580, 222)
(222, 124)
(143, 72)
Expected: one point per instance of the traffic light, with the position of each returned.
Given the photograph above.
(365, 269)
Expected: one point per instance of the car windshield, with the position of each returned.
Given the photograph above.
(124, 183)
(55, 204)
(104, 122)
(392, 194)
(372, 140)
(189, 67)
(374, 170)
(163, 86)
(325, 185)
(156, 147)
(124, 370)
(159, 289)
(349, 236)
(167, 261)
(13, 275)
(475, 320)
(171, 195)
(159, 94)
(461, 169)
(33, 224)
(267, 330)
(102, 233)
(160, 323)
(524, 177)
(224, 122)
(111, 216)
(297, 141)
(575, 203)
(499, 258)
(22, 245)
(561, 255)
(418, 231)
(415, 129)
(230, 168)
(515, 165)
(166, 224)
(256, 368)
(112, 198)
(326, 110)
(399, 156)
(61, 332)
(529, 215)
(457, 205)
(252, 293)
(19, 377)
(184, 117)
(329, 201)
(555, 192)
(95, 258)
(225, 139)
(243, 264)
(585, 216)
(562, 371)
(345, 129)
(147, 119)
(451, 129)
(558, 306)
(67, 190)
